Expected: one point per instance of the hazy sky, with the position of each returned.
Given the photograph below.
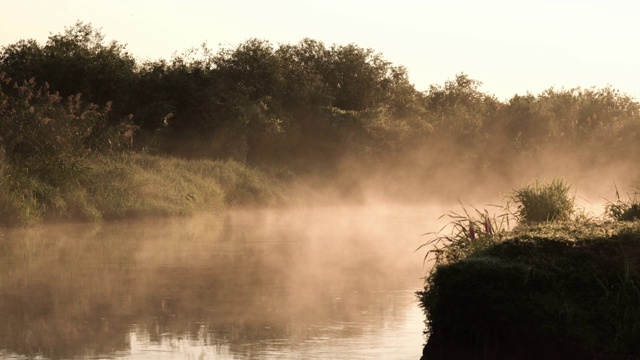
(511, 46)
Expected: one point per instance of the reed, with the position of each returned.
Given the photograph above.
(624, 210)
(466, 233)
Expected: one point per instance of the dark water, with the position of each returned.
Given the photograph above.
(322, 283)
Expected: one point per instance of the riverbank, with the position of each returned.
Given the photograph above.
(547, 291)
(135, 185)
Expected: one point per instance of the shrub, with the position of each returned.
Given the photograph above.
(76, 60)
(44, 140)
(47, 136)
(545, 201)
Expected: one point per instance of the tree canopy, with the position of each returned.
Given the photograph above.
(312, 103)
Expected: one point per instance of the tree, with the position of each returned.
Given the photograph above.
(76, 61)
(459, 109)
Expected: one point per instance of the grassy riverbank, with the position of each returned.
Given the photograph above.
(542, 290)
(112, 187)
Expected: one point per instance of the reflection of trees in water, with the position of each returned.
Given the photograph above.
(68, 292)
(63, 294)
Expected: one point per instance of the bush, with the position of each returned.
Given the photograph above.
(44, 141)
(47, 136)
(76, 60)
(546, 201)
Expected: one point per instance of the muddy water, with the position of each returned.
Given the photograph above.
(321, 283)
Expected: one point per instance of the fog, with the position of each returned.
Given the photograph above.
(448, 183)
(333, 271)
(253, 283)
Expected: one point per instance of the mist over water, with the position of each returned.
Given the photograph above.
(331, 280)
(304, 283)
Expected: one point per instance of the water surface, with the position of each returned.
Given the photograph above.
(318, 283)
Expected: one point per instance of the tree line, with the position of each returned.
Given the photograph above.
(301, 106)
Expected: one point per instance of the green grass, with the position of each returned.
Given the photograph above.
(543, 201)
(128, 186)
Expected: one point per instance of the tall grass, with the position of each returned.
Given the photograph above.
(124, 186)
(543, 201)
(543, 208)
(471, 231)
(624, 210)
(148, 185)
(18, 205)
(467, 232)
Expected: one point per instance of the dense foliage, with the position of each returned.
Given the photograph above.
(300, 109)
(308, 104)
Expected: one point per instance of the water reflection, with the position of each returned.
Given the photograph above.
(311, 283)
(390, 329)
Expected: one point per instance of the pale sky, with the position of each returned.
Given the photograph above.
(511, 46)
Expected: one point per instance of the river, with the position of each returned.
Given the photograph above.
(305, 283)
